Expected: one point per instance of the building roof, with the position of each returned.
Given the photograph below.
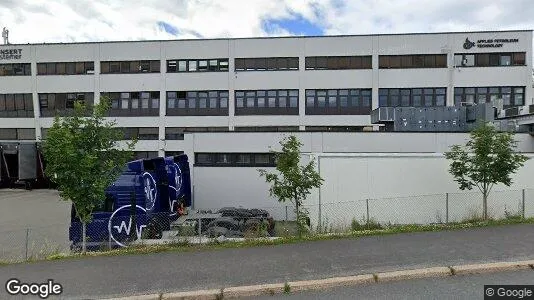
(277, 37)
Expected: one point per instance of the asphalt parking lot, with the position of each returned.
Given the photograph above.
(32, 223)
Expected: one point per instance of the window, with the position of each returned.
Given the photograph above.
(125, 67)
(144, 155)
(338, 102)
(62, 104)
(412, 97)
(510, 96)
(16, 106)
(267, 63)
(335, 128)
(489, 59)
(17, 134)
(133, 103)
(199, 103)
(338, 62)
(140, 133)
(266, 129)
(66, 68)
(198, 65)
(15, 69)
(412, 61)
(267, 102)
(235, 160)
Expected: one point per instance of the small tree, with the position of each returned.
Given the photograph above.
(292, 182)
(83, 158)
(487, 159)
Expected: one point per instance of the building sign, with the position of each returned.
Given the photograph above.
(7, 54)
(491, 43)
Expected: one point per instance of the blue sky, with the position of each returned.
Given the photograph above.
(31, 21)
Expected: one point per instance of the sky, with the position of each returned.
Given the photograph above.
(45, 21)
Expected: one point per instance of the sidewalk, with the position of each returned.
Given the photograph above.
(183, 271)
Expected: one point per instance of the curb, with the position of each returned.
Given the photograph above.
(296, 286)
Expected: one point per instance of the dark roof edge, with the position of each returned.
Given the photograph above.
(275, 37)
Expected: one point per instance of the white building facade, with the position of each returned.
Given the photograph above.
(226, 91)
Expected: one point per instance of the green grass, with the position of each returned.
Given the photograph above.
(289, 239)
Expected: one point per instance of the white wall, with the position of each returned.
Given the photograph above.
(405, 188)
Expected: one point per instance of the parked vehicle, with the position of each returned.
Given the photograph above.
(141, 202)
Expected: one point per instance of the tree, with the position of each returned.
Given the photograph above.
(83, 158)
(488, 158)
(292, 182)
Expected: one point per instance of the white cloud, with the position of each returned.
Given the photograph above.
(34, 21)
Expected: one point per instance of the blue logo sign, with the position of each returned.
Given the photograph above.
(151, 192)
(121, 227)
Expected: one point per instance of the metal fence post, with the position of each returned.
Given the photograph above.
(523, 203)
(367, 206)
(286, 214)
(447, 208)
(199, 230)
(26, 247)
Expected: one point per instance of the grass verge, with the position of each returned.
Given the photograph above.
(186, 247)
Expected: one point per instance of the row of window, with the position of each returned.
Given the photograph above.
(133, 103)
(235, 160)
(412, 61)
(62, 103)
(270, 64)
(134, 66)
(510, 96)
(198, 65)
(338, 102)
(489, 59)
(338, 62)
(17, 134)
(277, 102)
(140, 133)
(15, 69)
(190, 103)
(267, 64)
(66, 68)
(414, 97)
(258, 102)
(16, 106)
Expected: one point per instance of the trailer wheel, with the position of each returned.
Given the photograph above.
(28, 185)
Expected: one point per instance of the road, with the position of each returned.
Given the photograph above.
(453, 287)
(182, 271)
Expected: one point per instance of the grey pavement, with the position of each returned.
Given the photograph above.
(37, 220)
(182, 271)
(452, 287)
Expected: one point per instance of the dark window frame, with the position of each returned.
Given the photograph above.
(220, 67)
(139, 67)
(354, 62)
(493, 59)
(16, 134)
(22, 105)
(131, 98)
(461, 94)
(354, 99)
(231, 159)
(394, 96)
(52, 104)
(176, 110)
(263, 64)
(266, 95)
(11, 67)
(412, 61)
(88, 68)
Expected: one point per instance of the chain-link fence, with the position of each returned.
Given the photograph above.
(135, 226)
